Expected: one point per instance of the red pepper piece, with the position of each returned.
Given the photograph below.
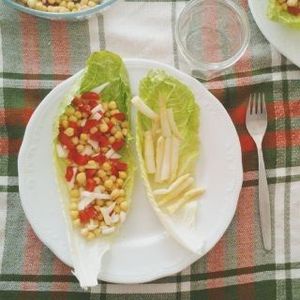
(65, 140)
(87, 214)
(78, 158)
(93, 103)
(293, 10)
(90, 185)
(69, 173)
(117, 145)
(89, 124)
(100, 158)
(120, 116)
(90, 96)
(119, 165)
(100, 138)
(90, 173)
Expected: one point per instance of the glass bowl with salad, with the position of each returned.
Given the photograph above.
(68, 10)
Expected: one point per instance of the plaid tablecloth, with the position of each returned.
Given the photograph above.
(35, 55)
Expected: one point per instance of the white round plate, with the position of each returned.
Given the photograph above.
(143, 250)
(285, 39)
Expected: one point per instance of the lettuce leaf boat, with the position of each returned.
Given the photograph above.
(167, 141)
(289, 16)
(93, 159)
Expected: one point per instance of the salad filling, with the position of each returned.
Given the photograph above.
(91, 136)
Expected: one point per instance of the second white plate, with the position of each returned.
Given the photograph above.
(143, 251)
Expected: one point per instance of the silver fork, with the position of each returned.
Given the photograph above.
(256, 123)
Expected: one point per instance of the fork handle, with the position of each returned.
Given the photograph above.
(264, 202)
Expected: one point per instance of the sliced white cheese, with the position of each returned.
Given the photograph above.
(94, 144)
(172, 123)
(61, 151)
(164, 122)
(176, 192)
(143, 108)
(100, 88)
(91, 225)
(98, 108)
(111, 153)
(188, 196)
(165, 168)
(71, 182)
(149, 152)
(107, 230)
(97, 116)
(173, 186)
(160, 145)
(174, 157)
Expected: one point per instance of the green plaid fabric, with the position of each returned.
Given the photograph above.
(35, 55)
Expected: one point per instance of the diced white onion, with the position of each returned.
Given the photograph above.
(97, 116)
(94, 144)
(97, 108)
(111, 153)
(71, 182)
(143, 107)
(115, 218)
(87, 151)
(107, 230)
(106, 215)
(61, 151)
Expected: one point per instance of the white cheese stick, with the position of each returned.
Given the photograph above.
(172, 123)
(174, 157)
(175, 193)
(143, 108)
(165, 168)
(188, 196)
(160, 145)
(149, 152)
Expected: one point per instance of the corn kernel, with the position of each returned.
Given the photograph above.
(73, 119)
(78, 114)
(114, 111)
(69, 131)
(124, 206)
(65, 123)
(81, 178)
(80, 148)
(120, 200)
(108, 184)
(76, 222)
(74, 214)
(118, 135)
(120, 182)
(101, 173)
(112, 105)
(73, 206)
(124, 124)
(69, 110)
(103, 127)
(83, 136)
(106, 166)
(74, 193)
(93, 130)
(122, 174)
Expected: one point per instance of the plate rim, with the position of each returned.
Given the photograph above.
(141, 278)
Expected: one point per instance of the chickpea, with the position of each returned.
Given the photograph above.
(122, 192)
(114, 111)
(115, 193)
(69, 131)
(74, 214)
(97, 207)
(102, 223)
(75, 200)
(78, 114)
(120, 182)
(97, 180)
(108, 183)
(122, 174)
(81, 178)
(63, 118)
(107, 114)
(102, 188)
(103, 127)
(97, 232)
(100, 218)
(120, 200)
(65, 123)
(117, 209)
(104, 149)
(73, 119)
(106, 120)
(69, 110)
(124, 124)
(113, 130)
(75, 140)
(80, 148)
(111, 139)
(101, 173)
(73, 206)
(83, 136)
(91, 3)
(100, 202)
(108, 203)
(70, 5)
(113, 178)
(93, 129)
(112, 105)
(106, 166)
(84, 115)
(118, 135)
(124, 131)
(74, 193)
(124, 206)
(76, 222)
(114, 121)
(104, 105)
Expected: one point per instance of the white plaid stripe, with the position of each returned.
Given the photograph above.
(8, 180)
(3, 210)
(94, 34)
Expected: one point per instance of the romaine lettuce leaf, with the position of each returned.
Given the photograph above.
(159, 85)
(275, 13)
(102, 67)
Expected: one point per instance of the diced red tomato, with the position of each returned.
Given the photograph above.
(90, 185)
(90, 96)
(69, 173)
(110, 125)
(120, 116)
(90, 173)
(78, 158)
(114, 170)
(66, 141)
(87, 214)
(119, 165)
(76, 101)
(89, 124)
(93, 103)
(100, 158)
(100, 138)
(293, 10)
(117, 145)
